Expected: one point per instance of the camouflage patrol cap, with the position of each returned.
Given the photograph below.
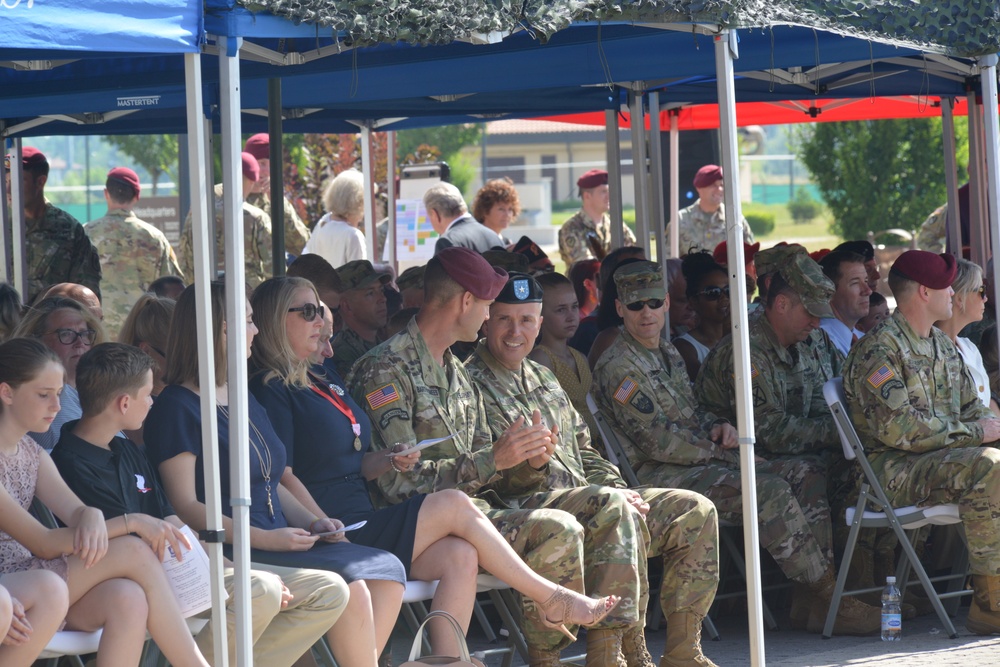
(412, 277)
(808, 281)
(768, 261)
(638, 281)
(508, 261)
(360, 273)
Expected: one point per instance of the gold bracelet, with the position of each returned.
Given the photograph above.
(127, 531)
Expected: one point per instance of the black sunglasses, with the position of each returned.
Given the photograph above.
(68, 336)
(654, 304)
(309, 311)
(714, 293)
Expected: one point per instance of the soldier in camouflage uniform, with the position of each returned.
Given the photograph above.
(258, 255)
(683, 525)
(591, 218)
(643, 389)
(702, 225)
(296, 233)
(363, 312)
(133, 252)
(413, 388)
(925, 429)
(56, 244)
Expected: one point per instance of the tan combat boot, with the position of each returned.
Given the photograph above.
(634, 647)
(802, 602)
(683, 647)
(604, 647)
(854, 616)
(984, 612)
(540, 658)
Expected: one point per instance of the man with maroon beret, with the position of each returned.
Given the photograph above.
(57, 246)
(133, 252)
(296, 233)
(703, 223)
(587, 235)
(413, 389)
(927, 435)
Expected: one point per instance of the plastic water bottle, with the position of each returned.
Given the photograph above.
(892, 617)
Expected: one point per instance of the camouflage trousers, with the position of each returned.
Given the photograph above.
(969, 477)
(684, 532)
(792, 511)
(588, 539)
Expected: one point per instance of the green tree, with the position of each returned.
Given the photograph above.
(156, 153)
(878, 174)
(448, 140)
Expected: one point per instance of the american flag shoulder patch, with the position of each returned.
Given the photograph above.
(881, 376)
(382, 396)
(753, 371)
(625, 390)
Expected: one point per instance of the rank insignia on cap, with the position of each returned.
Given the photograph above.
(521, 289)
(625, 391)
(382, 396)
(881, 376)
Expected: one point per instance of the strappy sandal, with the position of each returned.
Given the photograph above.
(566, 599)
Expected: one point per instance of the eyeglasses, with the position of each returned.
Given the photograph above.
(653, 304)
(68, 336)
(309, 311)
(714, 293)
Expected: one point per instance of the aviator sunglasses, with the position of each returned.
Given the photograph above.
(653, 304)
(714, 293)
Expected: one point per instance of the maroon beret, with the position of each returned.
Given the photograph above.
(259, 145)
(471, 270)
(721, 256)
(125, 176)
(251, 169)
(927, 268)
(592, 179)
(32, 157)
(707, 175)
(817, 255)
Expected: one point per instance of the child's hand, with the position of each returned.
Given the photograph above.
(158, 534)
(20, 629)
(90, 541)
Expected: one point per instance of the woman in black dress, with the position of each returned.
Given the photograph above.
(440, 536)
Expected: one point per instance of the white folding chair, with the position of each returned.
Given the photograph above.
(873, 510)
(70, 644)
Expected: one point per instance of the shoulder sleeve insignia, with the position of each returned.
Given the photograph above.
(642, 403)
(753, 372)
(382, 396)
(881, 376)
(625, 391)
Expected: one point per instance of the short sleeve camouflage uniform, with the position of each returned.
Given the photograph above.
(646, 397)
(296, 233)
(573, 245)
(682, 525)
(58, 250)
(133, 254)
(703, 231)
(258, 254)
(915, 408)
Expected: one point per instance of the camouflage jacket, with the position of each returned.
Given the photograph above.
(509, 395)
(258, 255)
(296, 233)
(573, 245)
(703, 231)
(348, 347)
(133, 254)
(409, 398)
(790, 414)
(646, 396)
(910, 393)
(58, 250)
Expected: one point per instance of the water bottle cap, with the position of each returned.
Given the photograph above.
(890, 580)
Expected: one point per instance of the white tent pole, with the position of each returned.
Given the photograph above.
(988, 77)
(214, 534)
(954, 226)
(6, 234)
(209, 161)
(614, 159)
(725, 52)
(236, 341)
(18, 231)
(390, 206)
(675, 184)
(368, 169)
(976, 212)
(656, 217)
(639, 174)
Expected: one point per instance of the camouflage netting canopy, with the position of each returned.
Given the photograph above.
(955, 27)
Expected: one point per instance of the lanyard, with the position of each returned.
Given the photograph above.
(341, 405)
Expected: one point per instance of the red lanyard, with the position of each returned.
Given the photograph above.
(341, 405)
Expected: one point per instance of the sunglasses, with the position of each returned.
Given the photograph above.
(309, 311)
(68, 336)
(653, 304)
(714, 293)
(981, 291)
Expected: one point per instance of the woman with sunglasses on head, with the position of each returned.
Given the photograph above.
(441, 536)
(708, 295)
(69, 330)
(968, 303)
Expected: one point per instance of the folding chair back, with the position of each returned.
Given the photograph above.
(873, 510)
(612, 445)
